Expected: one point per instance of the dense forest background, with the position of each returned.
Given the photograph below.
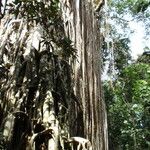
(67, 77)
(127, 81)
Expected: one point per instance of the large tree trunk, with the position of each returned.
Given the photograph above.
(82, 26)
(51, 94)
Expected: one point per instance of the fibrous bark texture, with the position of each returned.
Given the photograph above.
(82, 27)
(50, 88)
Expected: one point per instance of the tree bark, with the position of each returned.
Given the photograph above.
(83, 28)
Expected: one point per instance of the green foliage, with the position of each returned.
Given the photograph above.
(145, 58)
(126, 11)
(129, 108)
(141, 6)
(122, 54)
(118, 54)
(48, 16)
(130, 10)
(134, 6)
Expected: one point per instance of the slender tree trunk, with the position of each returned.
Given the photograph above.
(82, 27)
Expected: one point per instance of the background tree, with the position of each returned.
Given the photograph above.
(117, 31)
(127, 110)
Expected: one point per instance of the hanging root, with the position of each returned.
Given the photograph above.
(79, 143)
(48, 133)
